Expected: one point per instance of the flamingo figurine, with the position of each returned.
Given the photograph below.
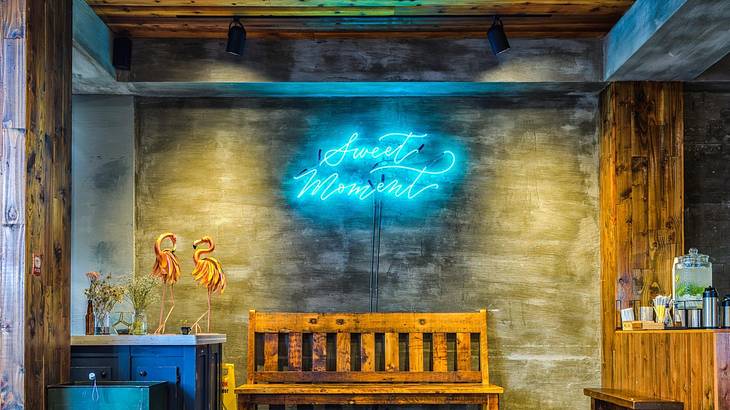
(167, 268)
(209, 273)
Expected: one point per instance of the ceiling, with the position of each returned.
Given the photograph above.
(361, 18)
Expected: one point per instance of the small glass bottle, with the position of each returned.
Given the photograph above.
(89, 318)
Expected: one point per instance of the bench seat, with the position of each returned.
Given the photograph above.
(367, 359)
(369, 393)
(370, 388)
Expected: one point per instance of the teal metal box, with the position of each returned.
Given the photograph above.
(108, 396)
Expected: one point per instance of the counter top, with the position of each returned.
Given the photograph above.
(149, 340)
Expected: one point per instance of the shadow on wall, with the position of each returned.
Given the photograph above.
(517, 232)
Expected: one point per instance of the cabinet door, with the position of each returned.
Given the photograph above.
(164, 369)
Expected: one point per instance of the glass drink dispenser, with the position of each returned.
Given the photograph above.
(692, 274)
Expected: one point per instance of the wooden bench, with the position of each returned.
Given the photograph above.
(611, 399)
(367, 358)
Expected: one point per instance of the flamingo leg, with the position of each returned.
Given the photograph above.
(161, 326)
(172, 307)
(195, 328)
(208, 310)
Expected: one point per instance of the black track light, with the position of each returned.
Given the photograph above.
(497, 37)
(236, 37)
(122, 52)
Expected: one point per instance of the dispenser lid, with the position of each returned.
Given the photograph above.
(726, 300)
(709, 292)
(694, 259)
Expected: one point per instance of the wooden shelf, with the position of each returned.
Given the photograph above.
(678, 331)
(149, 340)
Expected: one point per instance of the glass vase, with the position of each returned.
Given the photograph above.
(102, 323)
(139, 325)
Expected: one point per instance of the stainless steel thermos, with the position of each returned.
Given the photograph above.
(725, 305)
(709, 308)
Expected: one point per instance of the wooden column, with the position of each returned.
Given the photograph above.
(36, 129)
(642, 189)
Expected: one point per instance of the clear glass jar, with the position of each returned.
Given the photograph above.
(139, 325)
(102, 323)
(692, 273)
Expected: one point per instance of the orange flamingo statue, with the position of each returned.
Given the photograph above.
(209, 273)
(167, 268)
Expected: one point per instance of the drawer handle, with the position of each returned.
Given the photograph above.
(103, 374)
(143, 373)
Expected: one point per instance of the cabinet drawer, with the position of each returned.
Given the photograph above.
(81, 373)
(162, 369)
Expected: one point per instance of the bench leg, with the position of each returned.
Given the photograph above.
(492, 403)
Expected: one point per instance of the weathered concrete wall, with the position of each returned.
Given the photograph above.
(706, 176)
(519, 235)
(102, 220)
(267, 60)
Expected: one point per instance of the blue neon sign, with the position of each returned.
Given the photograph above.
(397, 165)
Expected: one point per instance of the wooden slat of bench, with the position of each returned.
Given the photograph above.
(271, 352)
(370, 388)
(368, 377)
(367, 347)
(295, 351)
(415, 352)
(269, 322)
(343, 352)
(319, 352)
(440, 361)
(483, 350)
(630, 400)
(463, 351)
(488, 401)
(391, 352)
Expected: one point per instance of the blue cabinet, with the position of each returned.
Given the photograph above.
(192, 372)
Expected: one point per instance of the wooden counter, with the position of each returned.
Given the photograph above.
(688, 365)
(149, 340)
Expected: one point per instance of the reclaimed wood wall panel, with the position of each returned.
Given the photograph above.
(641, 189)
(47, 197)
(12, 202)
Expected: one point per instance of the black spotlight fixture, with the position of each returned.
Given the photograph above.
(497, 37)
(122, 52)
(236, 37)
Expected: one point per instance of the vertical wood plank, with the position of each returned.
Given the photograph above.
(271, 352)
(12, 161)
(439, 352)
(12, 307)
(319, 352)
(343, 352)
(415, 352)
(391, 352)
(251, 347)
(722, 371)
(367, 352)
(463, 351)
(12, 19)
(48, 193)
(295, 351)
(14, 83)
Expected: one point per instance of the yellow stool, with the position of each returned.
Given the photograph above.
(228, 383)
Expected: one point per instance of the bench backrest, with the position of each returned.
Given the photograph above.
(367, 347)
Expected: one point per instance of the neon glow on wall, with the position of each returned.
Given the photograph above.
(396, 165)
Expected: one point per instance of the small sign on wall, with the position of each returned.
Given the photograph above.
(37, 263)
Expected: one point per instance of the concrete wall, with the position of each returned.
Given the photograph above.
(706, 175)
(102, 195)
(518, 233)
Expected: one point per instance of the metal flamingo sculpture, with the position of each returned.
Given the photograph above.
(209, 273)
(167, 268)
